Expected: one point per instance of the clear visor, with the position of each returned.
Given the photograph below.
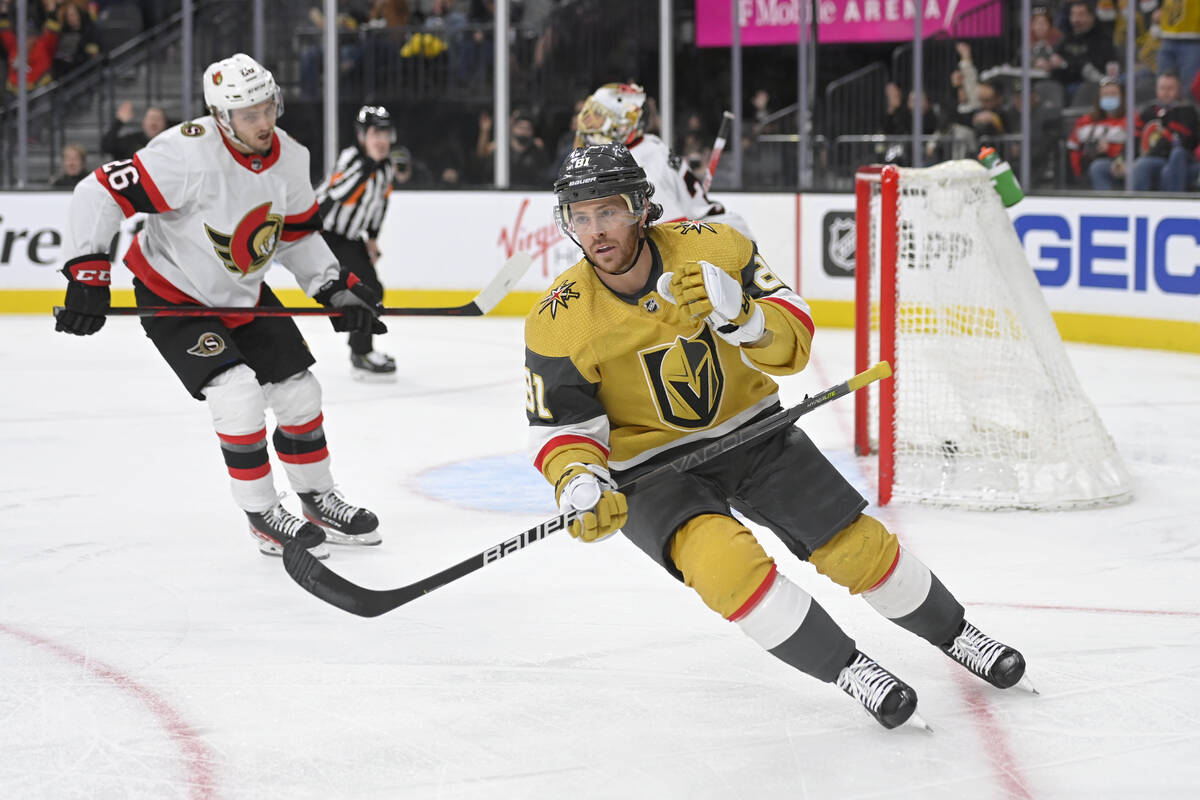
(585, 221)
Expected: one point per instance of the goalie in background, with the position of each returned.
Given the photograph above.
(663, 338)
(614, 113)
(353, 201)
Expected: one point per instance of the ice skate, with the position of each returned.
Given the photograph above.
(343, 523)
(995, 662)
(888, 699)
(277, 526)
(372, 366)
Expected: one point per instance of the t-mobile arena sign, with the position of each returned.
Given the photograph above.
(777, 21)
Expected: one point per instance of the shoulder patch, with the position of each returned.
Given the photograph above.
(558, 298)
(689, 225)
(191, 129)
(674, 160)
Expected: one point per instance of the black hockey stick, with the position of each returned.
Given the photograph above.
(320, 580)
(718, 148)
(485, 301)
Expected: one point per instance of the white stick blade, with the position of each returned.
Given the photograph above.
(504, 281)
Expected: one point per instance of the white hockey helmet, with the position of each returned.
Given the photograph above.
(238, 82)
(613, 113)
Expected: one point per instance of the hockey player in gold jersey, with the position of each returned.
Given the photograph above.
(664, 337)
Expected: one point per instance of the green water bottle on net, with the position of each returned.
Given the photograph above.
(1002, 177)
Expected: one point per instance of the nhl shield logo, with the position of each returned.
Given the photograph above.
(840, 235)
(208, 345)
(650, 305)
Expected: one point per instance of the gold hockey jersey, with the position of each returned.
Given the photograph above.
(618, 380)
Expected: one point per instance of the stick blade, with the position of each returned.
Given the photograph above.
(504, 281)
(325, 584)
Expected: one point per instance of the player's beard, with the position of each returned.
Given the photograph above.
(618, 260)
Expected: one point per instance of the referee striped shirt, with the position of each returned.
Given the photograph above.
(354, 198)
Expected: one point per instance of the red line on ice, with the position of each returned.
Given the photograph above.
(1004, 764)
(199, 758)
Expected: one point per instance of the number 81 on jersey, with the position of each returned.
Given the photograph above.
(535, 395)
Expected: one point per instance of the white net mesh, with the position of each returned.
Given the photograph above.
(989, 412)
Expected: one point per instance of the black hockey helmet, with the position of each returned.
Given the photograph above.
(601, 170)
(373, 117)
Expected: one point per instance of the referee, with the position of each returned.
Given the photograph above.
(353, 201)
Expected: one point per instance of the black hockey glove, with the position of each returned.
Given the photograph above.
(88, 296)
(359, 304)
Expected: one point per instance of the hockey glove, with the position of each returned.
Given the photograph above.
(589, 487)
(359, 304)
(703, 290)
(88, 296)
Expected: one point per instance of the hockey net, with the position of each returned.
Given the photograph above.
(985, 410)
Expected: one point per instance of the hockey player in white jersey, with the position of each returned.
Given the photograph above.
(226, 195)
(613, 114)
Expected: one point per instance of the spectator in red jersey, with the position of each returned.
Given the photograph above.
(41, 45)
(1097, 142)
(1167, 132)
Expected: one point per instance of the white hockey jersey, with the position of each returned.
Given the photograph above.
(216, 217)
(679, 193)
(676, 189)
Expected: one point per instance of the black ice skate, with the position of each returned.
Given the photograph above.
(343, 523)
(995, 662)
(372, 366)
(277, 526)
(887, 698)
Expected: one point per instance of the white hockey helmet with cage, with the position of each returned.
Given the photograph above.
(613, 113)
(238, 82)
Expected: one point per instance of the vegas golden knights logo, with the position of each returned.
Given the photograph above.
(687, 380)
(209, 344)
(250, 247)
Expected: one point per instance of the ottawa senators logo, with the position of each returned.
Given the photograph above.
(250, 247)
(687, 380)
(209, 344)
(217, 78)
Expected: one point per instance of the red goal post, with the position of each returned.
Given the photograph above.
(984, 409)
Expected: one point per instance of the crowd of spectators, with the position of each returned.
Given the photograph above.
(1078, 93)
(1078, 115)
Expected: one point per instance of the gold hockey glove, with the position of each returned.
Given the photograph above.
(701, 289)
(589, 487)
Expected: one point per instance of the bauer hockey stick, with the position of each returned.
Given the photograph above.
(485, 301)
(321, 581)
(718, 148)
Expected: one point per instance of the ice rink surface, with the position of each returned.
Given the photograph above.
(148, 651)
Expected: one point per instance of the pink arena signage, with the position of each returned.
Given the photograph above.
(777, 21)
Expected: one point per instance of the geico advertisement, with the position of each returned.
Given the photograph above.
(1129, 257)
(1134, 257)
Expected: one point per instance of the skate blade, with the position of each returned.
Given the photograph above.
(1027, 685)
(320, 552)
(917, 721)
(360, 539)
(364, 376)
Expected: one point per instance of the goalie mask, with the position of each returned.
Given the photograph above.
(612, 114)
(238, 82)
(603, 170)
